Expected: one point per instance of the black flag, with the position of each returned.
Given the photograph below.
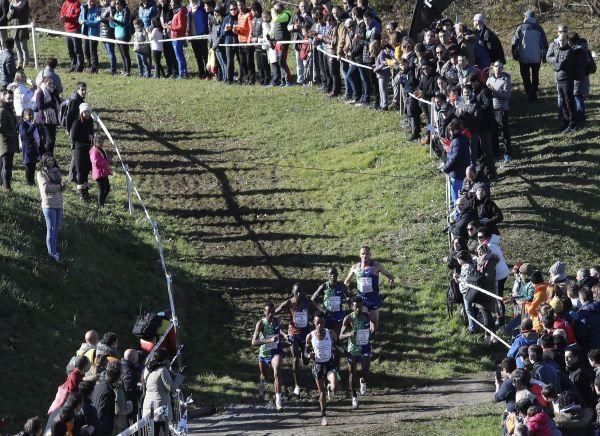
(425, 13)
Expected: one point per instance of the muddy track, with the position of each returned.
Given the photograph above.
(375, 409)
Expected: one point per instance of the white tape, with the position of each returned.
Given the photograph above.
(477, 288)
(143, 422)
(420, 99)
(158, 344)
(20, 26)
(489, 331)
(348, 61)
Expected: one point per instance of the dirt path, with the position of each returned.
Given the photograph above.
(375, 409)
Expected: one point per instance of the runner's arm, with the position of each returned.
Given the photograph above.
(255, 341)
(283, 306)
(386, 273)
(349, 276)
(317, 293)
(307, 354)
(346, 331)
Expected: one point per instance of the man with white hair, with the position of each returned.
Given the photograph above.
(487, 48)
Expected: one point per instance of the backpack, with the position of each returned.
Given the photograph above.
(146, 326)
(591, 66)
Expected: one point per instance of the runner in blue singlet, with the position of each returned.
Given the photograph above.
(366, 273)
(334, 294)
(267, 335)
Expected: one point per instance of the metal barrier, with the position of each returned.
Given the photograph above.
(145, 425)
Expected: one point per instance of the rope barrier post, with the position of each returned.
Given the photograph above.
(129, 196)
(431, 122)
(33, 42)
(151, 419)
(171, 300)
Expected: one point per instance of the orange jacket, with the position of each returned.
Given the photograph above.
(539, 296)
(179, 23)
(243, 27)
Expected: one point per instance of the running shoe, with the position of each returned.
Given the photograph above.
(261, 388)
(297, 390)
(363, 387)
(354, 402)
(278, 405)
(507, 158)
(324, 421)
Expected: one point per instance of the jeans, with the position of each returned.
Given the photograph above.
(75, 53)
(502, 123)
(579, 108)
(170, 59)
(365, 80)
(91, 52)
(109, 48)
(180, 56)
(53, 218)
(6, 167)
(352, 86)
(22, 51)
(262, 63)
(286, 75)
(124, 52)
(455, 187)
(334, 70)
(143, 64)
(230, 54)
(383, 94)
(200, 47)
(222, 70)
(299, 68)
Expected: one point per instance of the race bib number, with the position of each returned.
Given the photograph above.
(365, 285)
(362, 337)
(334, 303)
(301, 319)
(271, 345)
(323, 354)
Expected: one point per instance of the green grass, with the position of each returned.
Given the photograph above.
(254, 189)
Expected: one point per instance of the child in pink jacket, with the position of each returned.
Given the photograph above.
(100, 168)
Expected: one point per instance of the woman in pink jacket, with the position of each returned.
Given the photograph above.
(100, 168)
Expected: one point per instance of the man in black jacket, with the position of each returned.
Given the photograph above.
(487, 127)
(103, 400)
(130, 375)
(9, 144)
(4, 8)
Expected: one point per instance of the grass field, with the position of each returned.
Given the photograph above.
(254, 189)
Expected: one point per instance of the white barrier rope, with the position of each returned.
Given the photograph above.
(348, 61)
(20, 26)
(153, 224)
(489, 331)
(483, 291)
(144, 421)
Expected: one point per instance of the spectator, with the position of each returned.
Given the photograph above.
(444, 114)
(539, 295)
(7, 63)
(103, 399)
(229, 37)
(465, 214)
(49, 71)
(33, 427)
(71, 385)
(98, 368)
(141, 48)
(472, 242)
(500, 85)
(198, 25)
(581, 87)
(281, 18)
(121, 23)
(81, 133)
(69, 13)
(587, 321)
(473, 178)
(100, 168)
(426, 91)
(299, 20)
(108, 346)
(33, 144)
(243, 29)
(594, 359)
(529, 46)
(487, 127)
(107, 11)
(465, 39)
(157, 48)
(487, 48)
(595, 271)
(463, 69)
(468, 111)
(505, 390)
(457, 160)
(9, 142)
(178, 29)
(87, 349)
(130, 376)
(86, 418)
(51, 186)
(580, 374)
(538, 422)
(585, 279)
(76, 99)
(542, 370)
(561, 58)
(89, 20)
(261, 59)
(22, 95)
(165, 13)
(147, 11)
(484, 236)
(557, 272)
(217, 37)
(526, 337)
(18, 10)
(159, 384)
(573, 418)
(488, 212)
(123, 407)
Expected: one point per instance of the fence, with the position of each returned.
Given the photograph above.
(145, 425)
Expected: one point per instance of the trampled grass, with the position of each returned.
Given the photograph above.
(254, 189)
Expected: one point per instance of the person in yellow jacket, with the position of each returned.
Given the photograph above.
(539, 295)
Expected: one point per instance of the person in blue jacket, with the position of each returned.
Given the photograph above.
(198, 25)
(146, 11)
(89, 20)
(458, 158)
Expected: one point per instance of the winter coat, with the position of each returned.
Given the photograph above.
(100, 163)
(243, 27)
(546, 373)
(299, 20)
(216, 35)
(122, 24)
(23, 97)
(103, 399)
(50, 188)
(106, 31)
(122, 409)
(501, 88)
(33, 141)
(140, 42)
(81, 133)
(179, 23)
(87, 415)
(459, 228)
(525, 338)
(485, 99)
(539, 296)
(582, 377)
(8, 67)
(487, 269)
(574, 421)
(129, 376)
(70, 11)
(159, 385)
(587, 325)
(280, 25)
(427, 85)
(464, 74)
(381, 68)
(539, 425)
(489, 214)
(502, 270)
(450, 72)
(229, 37)
(529, 43)
(487, 49)
(19, 16)
(561, 60)
(49, 72)
(444, 115)
(9, 142)
(458, 158)
(89, 20)
(146, 13)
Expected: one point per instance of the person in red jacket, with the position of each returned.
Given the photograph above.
(178, 28)
(69, 12)
(243, 29)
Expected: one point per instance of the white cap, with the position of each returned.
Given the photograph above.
(84, 107)
(480, 18)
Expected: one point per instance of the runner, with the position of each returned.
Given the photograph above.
(357, 328)
(267, 335)
(297, 308)
(334, 294)
(321, 340)
(367, 280)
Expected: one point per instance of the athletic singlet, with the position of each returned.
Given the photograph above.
(269, 330)
(322, 347)
(334, 297)
(298, 317)
(367, 280)
(361, 335)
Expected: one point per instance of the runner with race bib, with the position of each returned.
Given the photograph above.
(320, 342)
(366, 273)
(267, 335)
(357, 328)
(297, 308)
(334, 294)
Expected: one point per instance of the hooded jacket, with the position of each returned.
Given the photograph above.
(458, 158)
(529, 43)
(539, 425)
(525, 338)
(501, 88)
(561, 60)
